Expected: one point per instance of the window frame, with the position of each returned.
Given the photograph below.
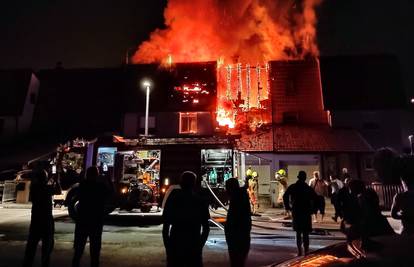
(187, 115)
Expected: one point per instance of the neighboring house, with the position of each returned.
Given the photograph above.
(19, 91)
(366, 93)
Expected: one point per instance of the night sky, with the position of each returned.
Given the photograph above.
(98, 33)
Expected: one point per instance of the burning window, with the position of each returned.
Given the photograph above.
(188, 122)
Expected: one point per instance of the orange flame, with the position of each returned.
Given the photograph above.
(248, 30)
(224, 118)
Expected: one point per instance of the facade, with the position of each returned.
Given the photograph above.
(300, 115)
(18, 97)
(301, 137)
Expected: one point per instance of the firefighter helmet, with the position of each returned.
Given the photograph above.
(281, 172)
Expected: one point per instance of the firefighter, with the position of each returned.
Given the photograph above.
(281, 178)
(253, 192)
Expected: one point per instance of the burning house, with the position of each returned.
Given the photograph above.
(268, 84)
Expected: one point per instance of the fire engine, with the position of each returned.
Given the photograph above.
(132, 167)
(132, 172)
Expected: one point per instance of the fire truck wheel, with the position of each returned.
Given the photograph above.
(73, 204)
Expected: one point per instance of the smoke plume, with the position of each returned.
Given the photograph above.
(248, 31)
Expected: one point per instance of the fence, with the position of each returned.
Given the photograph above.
(386, 193)
(9, 191)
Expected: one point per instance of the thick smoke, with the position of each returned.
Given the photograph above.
(234, 30)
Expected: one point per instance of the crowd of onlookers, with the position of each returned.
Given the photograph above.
(186, 214)
(357, 206)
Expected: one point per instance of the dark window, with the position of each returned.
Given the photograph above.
(33, 98)
(369, 163)
(290, 117)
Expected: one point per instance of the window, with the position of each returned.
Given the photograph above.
(290, 117)
(369, 163)
(188, 123)
(151, 122)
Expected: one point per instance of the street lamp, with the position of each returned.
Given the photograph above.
(147, 85)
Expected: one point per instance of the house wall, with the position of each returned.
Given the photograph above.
(296, 88)
(381, 128)
(166, 124)
(26, 118)
(290, 162)
(358, 165)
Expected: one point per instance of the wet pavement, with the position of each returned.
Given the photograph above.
(134, 239)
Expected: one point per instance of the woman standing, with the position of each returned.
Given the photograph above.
(239, 223)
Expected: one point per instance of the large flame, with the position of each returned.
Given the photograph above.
(249, 31)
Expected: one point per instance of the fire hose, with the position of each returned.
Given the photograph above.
(214, 195)
(224, 207)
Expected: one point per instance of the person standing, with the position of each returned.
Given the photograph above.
(345, 174)
(185, 225)
(42, 225)
(299, 198)
(238, 224)
(321, 189)
(335, 185)
(281, 178)
(403, 204)
(253, 192)
(89, 224)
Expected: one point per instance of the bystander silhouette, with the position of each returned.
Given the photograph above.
(300, 199)
(92, 197)
(185, 229)
(403, 204)
(238, 223)
(42, 225)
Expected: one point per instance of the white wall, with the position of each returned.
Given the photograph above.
(26, 118)
(296, 162)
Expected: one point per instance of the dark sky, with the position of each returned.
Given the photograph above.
(97, 33)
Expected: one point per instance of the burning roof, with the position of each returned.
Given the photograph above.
(242, 36)
(248, 31)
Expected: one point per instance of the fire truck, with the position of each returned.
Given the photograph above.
(132, 172)
(133, 167)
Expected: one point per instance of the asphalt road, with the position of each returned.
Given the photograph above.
(135, 240)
